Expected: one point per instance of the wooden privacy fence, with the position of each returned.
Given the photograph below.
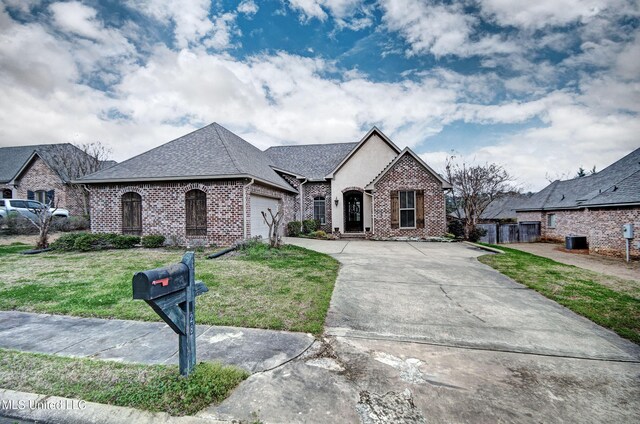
(523, 232)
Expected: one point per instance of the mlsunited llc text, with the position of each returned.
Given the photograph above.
(60, 404)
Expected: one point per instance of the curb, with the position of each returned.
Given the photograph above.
(54, 410)
(487, 248)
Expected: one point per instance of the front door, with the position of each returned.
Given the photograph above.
(353, 212)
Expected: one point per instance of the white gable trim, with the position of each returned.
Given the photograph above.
(445, 183)
(366, 138)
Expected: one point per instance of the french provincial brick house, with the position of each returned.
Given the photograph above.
(210, 186)
(38, 173)
(595, 206)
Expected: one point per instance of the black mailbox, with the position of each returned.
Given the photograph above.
(171, 292)
(154, 283)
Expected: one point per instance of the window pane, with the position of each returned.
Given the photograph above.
(410, 199)
(407, 218)
(403, 199)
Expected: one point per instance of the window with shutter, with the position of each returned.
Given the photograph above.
(132, 214)
(407, 209)
(196, 212)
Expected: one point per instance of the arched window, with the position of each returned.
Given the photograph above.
(132, 214)
(319, 210)
(196, 212)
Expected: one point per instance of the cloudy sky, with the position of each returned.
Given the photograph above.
(542, 87)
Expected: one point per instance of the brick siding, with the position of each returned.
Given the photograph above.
(163, 209)
(602, 227)
(313, 190)
(408, 174)
(38, 176)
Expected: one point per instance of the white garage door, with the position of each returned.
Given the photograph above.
(258, 205)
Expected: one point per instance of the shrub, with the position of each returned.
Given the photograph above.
(293, 229)
(85, 242)
(72, 223)
(318, 234)
(476, 233)
(456, 227)
(66, 242)
(19, 225)
(152, 241)
(125, 242)
(309, 226)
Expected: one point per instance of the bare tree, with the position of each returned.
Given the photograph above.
(273, 221)
(76, 161)
(475, 186)
(42, 219)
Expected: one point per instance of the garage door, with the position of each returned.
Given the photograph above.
(258, 205)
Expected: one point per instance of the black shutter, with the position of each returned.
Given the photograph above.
(31, 195)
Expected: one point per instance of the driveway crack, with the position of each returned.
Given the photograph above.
(460, 306)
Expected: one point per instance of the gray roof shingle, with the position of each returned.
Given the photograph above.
(313, 161)
(616, 184)
(210, 152)
(13, 159)
(504, 207)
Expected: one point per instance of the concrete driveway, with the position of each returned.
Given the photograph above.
(423, 332)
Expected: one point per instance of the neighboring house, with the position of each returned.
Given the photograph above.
(210, 186)
(595, 206)
(37, 172)
(503, 208)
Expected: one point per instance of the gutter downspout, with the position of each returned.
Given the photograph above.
(302, 201)
(244, 208)
(373, 221)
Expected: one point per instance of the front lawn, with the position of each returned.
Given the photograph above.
(609, 301)
(285, 289)
(148, 387)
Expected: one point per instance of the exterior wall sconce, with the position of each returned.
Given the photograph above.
(336, 201)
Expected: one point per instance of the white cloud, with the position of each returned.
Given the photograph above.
(76, 18)
(248, 7)
(440, 29)
(540, 13)
(352, 14)
(309, 9)
(191, 21)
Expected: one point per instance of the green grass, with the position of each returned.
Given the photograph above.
(148, 387)
(609, 301)
(285, 289)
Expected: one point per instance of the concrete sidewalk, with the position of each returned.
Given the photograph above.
(147, 342)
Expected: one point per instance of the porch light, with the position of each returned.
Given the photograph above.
(336, 201)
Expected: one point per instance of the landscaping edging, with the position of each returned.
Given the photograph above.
(487, 248)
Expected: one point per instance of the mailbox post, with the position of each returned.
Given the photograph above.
(171, 292)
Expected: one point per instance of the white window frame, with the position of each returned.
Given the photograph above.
(321, 218)
(400, 209)
(40, 196)
(551, 220)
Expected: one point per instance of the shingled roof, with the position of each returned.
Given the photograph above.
(313, 161)
(212, 152)
(617, 184)
(14, 159)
